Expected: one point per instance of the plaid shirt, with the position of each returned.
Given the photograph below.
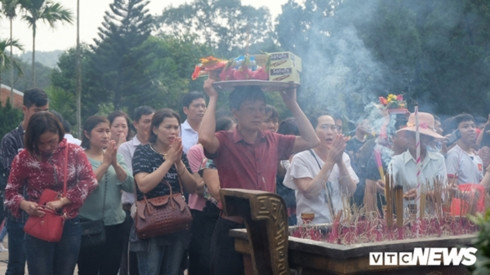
(12, 143)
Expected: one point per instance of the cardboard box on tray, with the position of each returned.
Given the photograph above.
(285, 60)
(288, 74)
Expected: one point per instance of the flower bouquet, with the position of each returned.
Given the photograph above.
(395, 104)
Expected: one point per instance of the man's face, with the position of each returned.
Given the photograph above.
(399, 143)
(196, 110)
(467, 129)
(143, 126)
(326, 130)
(250, 116)
(29, 111)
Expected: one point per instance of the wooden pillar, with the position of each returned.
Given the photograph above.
(265, 218)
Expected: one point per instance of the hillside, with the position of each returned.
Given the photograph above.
(48, 59)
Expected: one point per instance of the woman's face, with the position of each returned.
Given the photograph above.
(48, 142)
(119, 129)
(167, 131)
(99, 136)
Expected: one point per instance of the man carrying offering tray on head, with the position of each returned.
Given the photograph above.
(247, 157)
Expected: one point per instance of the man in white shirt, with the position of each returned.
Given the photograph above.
(404, 168)
(463, 163)
(194, 106)
(322, 177)
(142, 123)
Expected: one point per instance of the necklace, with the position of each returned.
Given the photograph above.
(156, 151)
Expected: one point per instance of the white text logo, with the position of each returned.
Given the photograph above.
(426, 256)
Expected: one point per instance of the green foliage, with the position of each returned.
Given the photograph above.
(63, 103)
(63, 79)
(9, 118)
(7, 62)
(118, 64)
(172, 63)
(224, 25)
(482, 243)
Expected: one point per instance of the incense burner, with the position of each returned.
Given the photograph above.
(269, 246)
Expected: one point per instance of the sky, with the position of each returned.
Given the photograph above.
(63, 36)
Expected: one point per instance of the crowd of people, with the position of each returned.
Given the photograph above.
(318, 170)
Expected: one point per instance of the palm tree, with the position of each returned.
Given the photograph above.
(47, 11)
(6, 61)
(9, 9)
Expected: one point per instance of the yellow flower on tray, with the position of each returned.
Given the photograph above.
(392, 102)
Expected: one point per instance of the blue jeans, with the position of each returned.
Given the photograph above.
(163, 255)
(46, 258)
(17, 257)
(3, 233)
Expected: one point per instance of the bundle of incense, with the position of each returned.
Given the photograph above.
(389, 200)
(399, 205)
(379, 164)
(437, 197)
(422, 200)
(328, 198)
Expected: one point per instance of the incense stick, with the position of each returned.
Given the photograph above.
(399, 205)
(389, 200)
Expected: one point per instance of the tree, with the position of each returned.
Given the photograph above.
(172, 63)
(224, 25)
(9, 8)
(7, 62)
(9, 118)
(64, 85)
(117, 67)
(46, 11)
(435, 51)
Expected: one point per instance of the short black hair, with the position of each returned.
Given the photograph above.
(460, 118)
(36, 97)
(39, 123)
(223, 124)
(288, 126)
(191, 96)
(313, 117)
(142, 111)
(245, 93)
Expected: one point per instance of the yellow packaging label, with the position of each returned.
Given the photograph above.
(284, 75)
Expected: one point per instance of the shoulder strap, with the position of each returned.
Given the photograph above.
(65, 168)
(314, 156)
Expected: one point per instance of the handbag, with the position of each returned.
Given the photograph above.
(50, 226)
(162, 215)
(93, 232)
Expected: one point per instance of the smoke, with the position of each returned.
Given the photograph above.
(340, 73)
(343, 75)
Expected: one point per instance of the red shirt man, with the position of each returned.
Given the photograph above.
(247, 158)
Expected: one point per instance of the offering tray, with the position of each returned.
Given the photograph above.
(265, 85)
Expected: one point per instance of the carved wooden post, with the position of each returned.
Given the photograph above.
(265, 217)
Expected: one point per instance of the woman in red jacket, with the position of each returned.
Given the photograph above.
(41, 166)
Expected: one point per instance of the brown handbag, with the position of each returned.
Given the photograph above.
(162, 215)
